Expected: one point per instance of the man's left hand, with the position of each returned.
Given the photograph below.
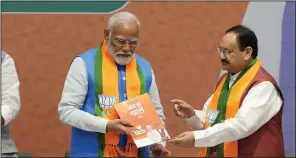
(185, 140)
(159, 150)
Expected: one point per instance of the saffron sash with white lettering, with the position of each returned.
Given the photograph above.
(225, 104)
(106, 85)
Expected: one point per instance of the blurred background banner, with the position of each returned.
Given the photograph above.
(97, 7)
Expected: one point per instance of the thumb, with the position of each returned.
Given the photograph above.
(177, 107)
(179, 139)
(126, 123)
(176, 141)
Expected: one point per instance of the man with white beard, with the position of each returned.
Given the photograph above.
(100, 78)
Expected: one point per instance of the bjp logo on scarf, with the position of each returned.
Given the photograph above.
(212, 115)
(106, 102)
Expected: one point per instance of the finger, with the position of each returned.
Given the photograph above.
(161, 153)
(126, 123)
(177, 107)
(164, 139)
(164, 152)
(123, 130)
(181, 135)
(177, 101)
(169, 153)
(176, 110)
(181, 114)
(176, 141)
(179, 142)
(156, 147)
(156, 153)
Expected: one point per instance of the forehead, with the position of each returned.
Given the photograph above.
(126, 30)
(229, 41)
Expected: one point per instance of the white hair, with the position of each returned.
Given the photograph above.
(148, 127)
(121, 17)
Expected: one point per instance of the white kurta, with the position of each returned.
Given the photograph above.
(260, 104)
(10, 90)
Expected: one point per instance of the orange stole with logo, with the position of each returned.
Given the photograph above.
(106, 82)
(233, 104)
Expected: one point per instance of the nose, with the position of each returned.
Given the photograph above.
(126, 47)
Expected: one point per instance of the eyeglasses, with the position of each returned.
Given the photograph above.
(121, 42)
(224, 51)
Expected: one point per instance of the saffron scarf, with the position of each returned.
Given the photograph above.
(225, 105)
(106, 85)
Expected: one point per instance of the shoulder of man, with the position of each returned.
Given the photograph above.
(3, 55)
(264, 76)
(141, 60)
(89, 52)
(6, 58)
(87, 55)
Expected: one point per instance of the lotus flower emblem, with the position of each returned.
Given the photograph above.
(107, 102)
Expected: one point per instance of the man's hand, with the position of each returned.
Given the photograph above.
(182, 109)
(185, 140)
(159, 150)
(118, 125)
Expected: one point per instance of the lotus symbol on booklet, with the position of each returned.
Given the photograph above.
(139, 127)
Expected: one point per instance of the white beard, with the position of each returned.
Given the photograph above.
(118, 59)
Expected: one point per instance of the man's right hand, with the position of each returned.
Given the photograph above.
(118, 125)
(182, 109)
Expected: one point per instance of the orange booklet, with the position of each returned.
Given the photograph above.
(148, 129)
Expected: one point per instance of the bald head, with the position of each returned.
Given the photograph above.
(122, 36)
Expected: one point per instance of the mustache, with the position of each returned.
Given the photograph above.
(125, 54)
(224, 61)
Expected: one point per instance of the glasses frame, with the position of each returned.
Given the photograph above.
(225, 51)
(120, 42)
